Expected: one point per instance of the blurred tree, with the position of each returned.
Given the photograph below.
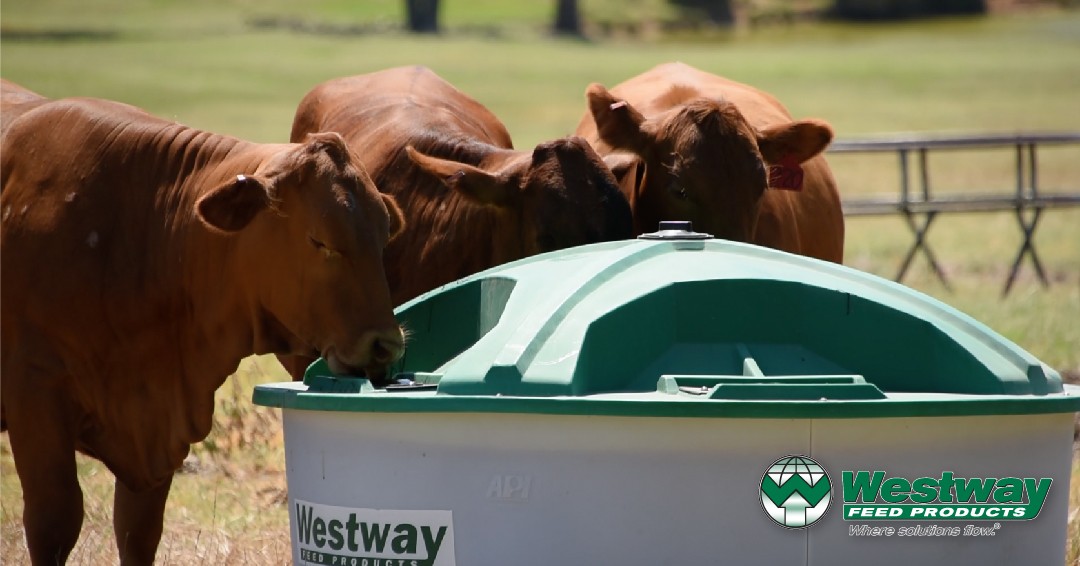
(715, 11)
(567, 18)
(901, 9)
(422, 15)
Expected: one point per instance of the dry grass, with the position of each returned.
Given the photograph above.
(1072, 533)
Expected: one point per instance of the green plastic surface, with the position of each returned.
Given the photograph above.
(690, 328)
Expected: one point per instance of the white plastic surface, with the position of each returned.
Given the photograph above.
(542, 490)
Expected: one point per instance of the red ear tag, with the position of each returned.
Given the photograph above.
(786, 175)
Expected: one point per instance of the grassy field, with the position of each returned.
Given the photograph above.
(234, 67)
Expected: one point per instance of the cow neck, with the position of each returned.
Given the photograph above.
(166, 167)
(197, 327)
(215, 284)
(513, 238)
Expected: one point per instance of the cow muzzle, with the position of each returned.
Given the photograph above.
(372, 356)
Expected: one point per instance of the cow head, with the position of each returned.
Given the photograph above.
(309, 229)
(563, 192)
(701, 160)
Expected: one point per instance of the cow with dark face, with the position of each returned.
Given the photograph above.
(470, 200)
(689, 145)
(141, 261)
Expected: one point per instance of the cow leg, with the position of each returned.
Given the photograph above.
(44, 454)
(138, 518)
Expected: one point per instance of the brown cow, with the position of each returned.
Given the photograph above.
(141, 261)
(471, 201)
(689, 145)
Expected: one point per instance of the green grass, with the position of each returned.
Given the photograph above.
(202, 63)
(959, 75)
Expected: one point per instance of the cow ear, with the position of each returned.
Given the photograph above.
(397, 219)
(618, 123)
(471, 182)
(794, 142)
(231, 206)
(331, 144)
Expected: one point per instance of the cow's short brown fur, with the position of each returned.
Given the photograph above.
(141, 261)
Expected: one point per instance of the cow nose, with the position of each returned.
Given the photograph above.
(384, 349)
(372, 353)
(387, 347)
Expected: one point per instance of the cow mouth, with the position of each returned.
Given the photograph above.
(377, 371)
(378, 374)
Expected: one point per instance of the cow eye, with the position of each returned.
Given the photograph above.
(679, 191)
(323, 248)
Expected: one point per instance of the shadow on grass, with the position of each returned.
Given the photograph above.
(8, 34)
(322, 28)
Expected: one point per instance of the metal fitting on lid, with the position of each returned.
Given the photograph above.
(675, 230)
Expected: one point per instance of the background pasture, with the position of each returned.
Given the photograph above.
(239, 67)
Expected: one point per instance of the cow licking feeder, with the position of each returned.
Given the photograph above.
(142, 260)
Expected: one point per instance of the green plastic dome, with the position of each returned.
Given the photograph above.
(679, 326)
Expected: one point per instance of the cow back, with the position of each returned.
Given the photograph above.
(15, 100)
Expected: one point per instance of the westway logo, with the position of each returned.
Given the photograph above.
(870, 496)
(325, 534)
(796, 492)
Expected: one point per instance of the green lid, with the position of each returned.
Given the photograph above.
(690, 327)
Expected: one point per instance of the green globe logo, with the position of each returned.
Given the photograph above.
(795, 491)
